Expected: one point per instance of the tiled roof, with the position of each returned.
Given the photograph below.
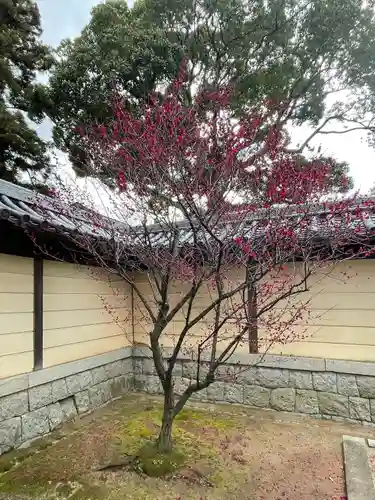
(25, 208)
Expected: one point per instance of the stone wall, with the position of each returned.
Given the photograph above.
(327, 389)
(34, 404)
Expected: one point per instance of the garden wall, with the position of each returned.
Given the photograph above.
(86, 312)
(16, 315)
(34, 404)
(340, 323)
(322, 388)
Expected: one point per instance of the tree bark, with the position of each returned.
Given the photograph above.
(164, 441)
(252, 310)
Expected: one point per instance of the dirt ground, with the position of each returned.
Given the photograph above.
(230, 453)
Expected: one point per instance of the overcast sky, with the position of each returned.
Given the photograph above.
(65, 18)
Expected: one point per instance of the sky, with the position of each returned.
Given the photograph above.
(61, 19)
(66, 18)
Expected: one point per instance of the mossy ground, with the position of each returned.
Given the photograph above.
(221, 452)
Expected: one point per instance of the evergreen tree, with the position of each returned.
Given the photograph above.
(24, 155)
(317, 57)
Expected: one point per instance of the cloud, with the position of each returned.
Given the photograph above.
(63, 18)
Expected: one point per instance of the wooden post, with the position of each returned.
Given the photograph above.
(252, 309)
(38, 313)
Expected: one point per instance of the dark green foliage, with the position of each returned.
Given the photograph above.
(22, 55)
(116, 50)
(307, 53)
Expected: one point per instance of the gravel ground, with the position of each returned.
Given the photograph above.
(233, 453)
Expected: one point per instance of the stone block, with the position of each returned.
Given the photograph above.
(40, 396)
(325, 382)
(242, 358)
(200, 395)
(79, 382)
(189, 370)
(148, 366)
(215, 391)
(203, 370)
(140, 382)
(82, 401)
(55, 415)
(99, 375)
(234, 393)
(177, 369)
(333, 404)
(130, 382)
(358, 473)
(114, 369)
(14, 405)
(118, 386)
(366, 386)
(138, 366)
(300, 380)
(359, 408)
(353, 367)
(10, 434)
(283, 399)
(141, 351)
(68, 408)
(192, 353)
(64, 370)
(153, 384)
(347, 385)
(227, 373)
(36, 423)
(344, 420)
(126, 366)
(14, 384)
(316, 416)
(287, 362)
(372, 409)
(272, 378)
(180, 385)
(307, 401)
(59, 390)
(257, 396)
(105, 389)
(245, 375)
(99, 394)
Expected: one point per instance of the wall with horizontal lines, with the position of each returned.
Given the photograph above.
(340, 324)
(86, 312)
(16, 315)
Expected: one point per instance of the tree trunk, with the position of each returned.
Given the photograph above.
(164, 441)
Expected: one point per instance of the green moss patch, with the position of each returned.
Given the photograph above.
(203, 418)
(156, 464)
(215, 456)
(68, 468)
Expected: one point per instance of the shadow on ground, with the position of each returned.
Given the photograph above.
(229, 452)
